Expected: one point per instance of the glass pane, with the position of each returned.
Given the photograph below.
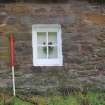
(41, 38)
(52, 38)
(42, 52)
(53, 53)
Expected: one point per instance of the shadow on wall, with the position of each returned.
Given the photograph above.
(35, 1)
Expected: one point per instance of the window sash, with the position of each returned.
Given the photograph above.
(47, 45)
(47, 38)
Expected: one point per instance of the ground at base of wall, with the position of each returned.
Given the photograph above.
(90, 98)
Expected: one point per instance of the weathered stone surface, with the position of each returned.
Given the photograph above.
(83, 37)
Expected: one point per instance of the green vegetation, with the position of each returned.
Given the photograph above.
(79, 98)
(14, 101)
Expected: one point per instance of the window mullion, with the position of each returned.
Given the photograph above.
(36, 45)
(47, 46)
(58, 44)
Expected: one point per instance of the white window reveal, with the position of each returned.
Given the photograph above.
(47, 45)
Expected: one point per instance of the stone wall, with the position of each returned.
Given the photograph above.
(83, 36)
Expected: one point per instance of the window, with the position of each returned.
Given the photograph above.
(47, 45)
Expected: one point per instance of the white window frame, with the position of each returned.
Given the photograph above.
(47, 28)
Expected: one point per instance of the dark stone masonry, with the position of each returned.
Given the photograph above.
(83, 37)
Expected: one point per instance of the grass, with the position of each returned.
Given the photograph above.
(97, 98)
(15, 101)
(18, 101)
(91, 98)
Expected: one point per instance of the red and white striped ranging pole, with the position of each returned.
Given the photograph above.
(12, 60)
